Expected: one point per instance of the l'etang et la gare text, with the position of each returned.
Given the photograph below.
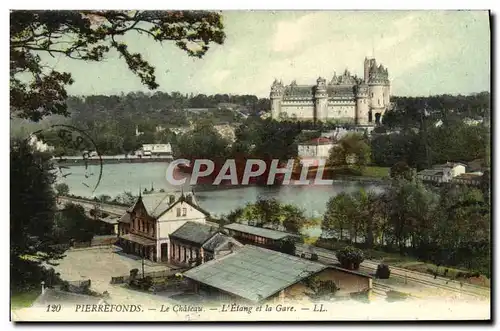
(234, 307)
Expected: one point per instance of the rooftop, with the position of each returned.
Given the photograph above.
(254, 273)
(218, 241)
(194, 232)
(431, 172)
(158, 203)
(260, 232)
(318, 141)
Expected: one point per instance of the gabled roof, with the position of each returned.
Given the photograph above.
(158, 204)
(261, 232)
(197, 233)
(254, 273)
(218, 241)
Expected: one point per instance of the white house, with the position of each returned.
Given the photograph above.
(314, 150)
(442, 173)
(146, 227)
(157, 148)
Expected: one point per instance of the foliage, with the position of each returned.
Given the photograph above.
(62, 189)
(401, 170)
(203, 142)
(32, 209)
(270, 212)
(350, 257)
(71, 223)
(383, 271)
(37, 91)
(450, 225)
(351, 149)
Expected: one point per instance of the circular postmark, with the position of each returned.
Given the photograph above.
(71, 146)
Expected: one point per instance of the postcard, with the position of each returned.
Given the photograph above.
(186, 166)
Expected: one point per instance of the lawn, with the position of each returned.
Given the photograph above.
(372, 171)
(23, 299)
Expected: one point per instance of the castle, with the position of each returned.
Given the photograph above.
(345, 99)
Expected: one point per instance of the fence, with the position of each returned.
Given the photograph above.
(153, 274)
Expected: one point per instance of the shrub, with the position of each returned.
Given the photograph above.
(383, 271)
(350, 257)
(314, 257)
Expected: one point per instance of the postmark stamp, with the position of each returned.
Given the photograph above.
(71, 146)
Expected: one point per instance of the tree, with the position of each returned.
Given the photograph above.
(351, 149)
(401, 170)
(62, 189)
(337, 216)
(350, 257)
(32, 208)
(72, 224)
(89, 35)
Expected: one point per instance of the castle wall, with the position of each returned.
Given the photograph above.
(298, 108)
(341, 109)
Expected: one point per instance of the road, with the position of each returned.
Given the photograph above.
(408, 281)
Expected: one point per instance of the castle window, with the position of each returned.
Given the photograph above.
(372, 94)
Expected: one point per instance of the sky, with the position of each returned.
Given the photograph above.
(426, 53)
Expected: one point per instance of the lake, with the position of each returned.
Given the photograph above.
(118, 178)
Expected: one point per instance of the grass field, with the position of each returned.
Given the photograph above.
(372, 171)
(23, 299)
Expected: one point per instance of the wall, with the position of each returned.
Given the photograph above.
(348, 283)
(377, 98)
(300, 109)
(169, 221)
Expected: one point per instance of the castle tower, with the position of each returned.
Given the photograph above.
(276, 97)
(377, 88)
(320, 100)
(362, 104)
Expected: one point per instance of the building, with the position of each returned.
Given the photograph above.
(346, 98)
(442, 173)
(146, 226)
(257, 236)
(194, 243)
(470, 178)
(315, 150)
(254, 274)
(157, 149)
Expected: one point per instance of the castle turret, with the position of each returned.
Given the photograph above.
(362, 104)
(321, 100)
(377, 84)
(276, 97)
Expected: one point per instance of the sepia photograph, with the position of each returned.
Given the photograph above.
(250, 165)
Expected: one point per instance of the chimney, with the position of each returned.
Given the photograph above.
(43, 287)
